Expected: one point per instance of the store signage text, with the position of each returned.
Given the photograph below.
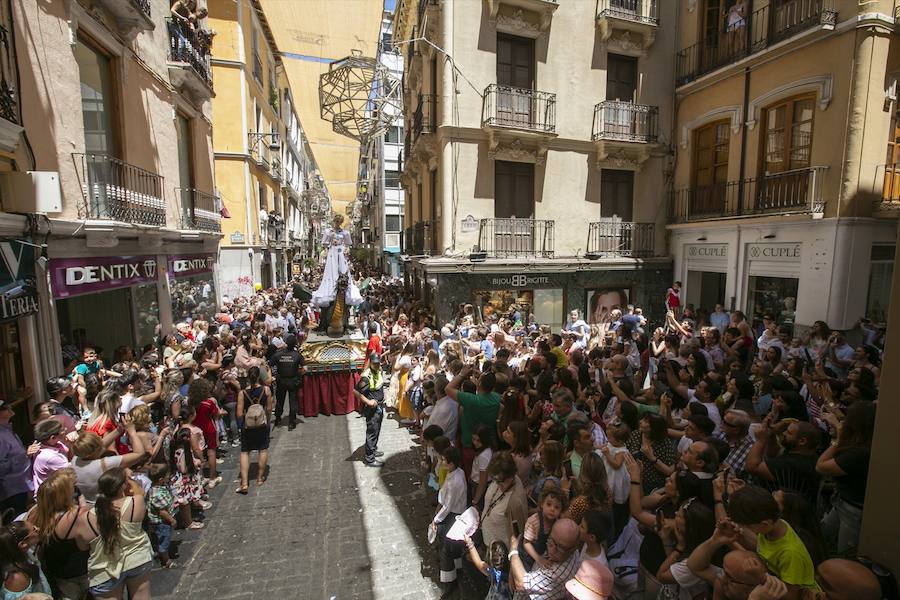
(708, 251)
(778, 252)
(520, 281)
(18, 292)
(70, 276)
(191, 264)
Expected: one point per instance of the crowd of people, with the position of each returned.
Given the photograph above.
(628, 460)
(697, 457)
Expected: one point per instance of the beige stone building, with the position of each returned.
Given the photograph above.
(785, 188)
(536, 156)
(110, 223)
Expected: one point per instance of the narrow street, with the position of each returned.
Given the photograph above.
(322, 526)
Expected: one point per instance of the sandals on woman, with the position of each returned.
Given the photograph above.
(241, 490)
(196, 525)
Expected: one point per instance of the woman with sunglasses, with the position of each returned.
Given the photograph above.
(652, 511)
(693, 524)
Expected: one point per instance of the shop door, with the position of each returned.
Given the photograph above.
(706, 289)
(514, 224)
(515, 76)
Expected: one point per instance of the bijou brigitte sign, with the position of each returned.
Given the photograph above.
(71, 276)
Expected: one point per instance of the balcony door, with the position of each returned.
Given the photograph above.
(185, 166)
(710, 173)
(515, 69)
(616, 206)
(513, 207)
(724, 27)
(891, 189)
(621, 86)
(784, 182)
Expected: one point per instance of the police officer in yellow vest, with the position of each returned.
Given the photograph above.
(370, 393)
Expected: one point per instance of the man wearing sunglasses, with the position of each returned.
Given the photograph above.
(549, 581)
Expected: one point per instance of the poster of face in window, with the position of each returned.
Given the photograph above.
(601, 303)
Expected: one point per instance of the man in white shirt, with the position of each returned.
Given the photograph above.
(445, 413)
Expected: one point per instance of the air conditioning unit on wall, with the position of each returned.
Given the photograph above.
(31, 192)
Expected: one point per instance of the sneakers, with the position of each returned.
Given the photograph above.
(205, 505)
(235, 443)
(373, 463)
(214, 482)
(196, 525)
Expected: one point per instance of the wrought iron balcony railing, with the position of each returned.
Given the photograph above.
(614, 238)
(518, 108)
(113, 189)
(796, 191)
(624, 121)
(638, 11)
(743, 35)
(423, 240)
(199, 210)
(191, 47)
(425, 116)
(517, 238)
(8, 104)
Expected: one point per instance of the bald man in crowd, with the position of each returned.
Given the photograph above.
(550, 581)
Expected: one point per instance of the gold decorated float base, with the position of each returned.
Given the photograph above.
(323, 353)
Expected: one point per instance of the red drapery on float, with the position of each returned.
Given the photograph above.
(329, 393)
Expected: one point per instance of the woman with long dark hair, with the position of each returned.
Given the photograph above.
(847, 462)
(651, 445)
(591, 489)
(518, 437)
(21, 575)
(121, 555)
(254, 436)
(693, 524)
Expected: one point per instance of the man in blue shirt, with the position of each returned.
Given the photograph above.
(15, 466)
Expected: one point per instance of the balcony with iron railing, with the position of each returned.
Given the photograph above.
(425, 116)
(131, 16)
(422, 241)
(507, 107)
(612, 238)
(264, 148)
(199, 210)
(888, 178)
(8, 103)
(516, 238)
(625, 122)
(189, 59)
(791, 192)
(628, 17)
(115, 190)
(753, 33)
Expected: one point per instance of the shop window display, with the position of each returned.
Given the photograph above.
(146, 308)
(773, 295)
(499, 301)
(193, 298)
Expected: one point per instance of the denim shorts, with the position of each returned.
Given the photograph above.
(163, 536)
(108, 587)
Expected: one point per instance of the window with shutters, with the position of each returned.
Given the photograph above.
(788, 135)
(710, 167)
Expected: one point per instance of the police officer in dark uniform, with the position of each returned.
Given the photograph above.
(370, 393)
(288, 363)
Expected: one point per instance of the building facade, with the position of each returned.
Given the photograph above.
(107, 165)
(537, 153)
(784, 190)
(381, 197)
(265, 171)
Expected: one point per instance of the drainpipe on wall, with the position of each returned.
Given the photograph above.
(448, 97)
(745, 117)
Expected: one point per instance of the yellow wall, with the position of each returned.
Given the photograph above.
(328, 29)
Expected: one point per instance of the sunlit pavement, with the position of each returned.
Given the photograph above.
(322, 526)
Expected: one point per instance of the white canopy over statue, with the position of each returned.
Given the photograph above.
(336, 264)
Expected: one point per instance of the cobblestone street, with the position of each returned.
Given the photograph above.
(323, 525)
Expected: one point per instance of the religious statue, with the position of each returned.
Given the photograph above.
(337, 292)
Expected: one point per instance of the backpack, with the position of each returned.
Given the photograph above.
(256, 415)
